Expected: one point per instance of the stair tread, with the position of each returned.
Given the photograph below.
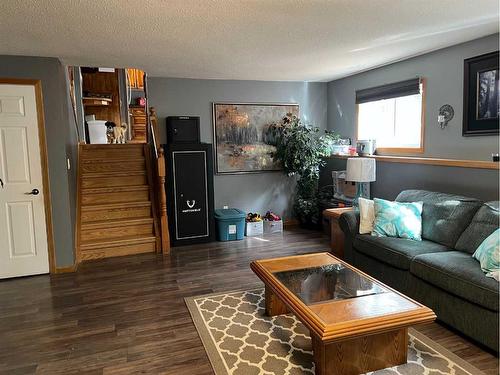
(121, 241)
(110, 206)
(117, 222)
(89, 160)
(113, 145)
(113, 174)
(114, 160)
(114, 189)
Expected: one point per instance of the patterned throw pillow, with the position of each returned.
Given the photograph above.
(488, 255)
(394, 219)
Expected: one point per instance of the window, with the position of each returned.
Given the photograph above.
(393, 116)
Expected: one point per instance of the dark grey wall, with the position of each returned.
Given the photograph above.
(443, 70)
(250, 192)
(392, 178)
(61, 143)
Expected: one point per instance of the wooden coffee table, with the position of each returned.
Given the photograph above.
(357, 324)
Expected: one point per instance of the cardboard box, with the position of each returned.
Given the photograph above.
(253, 229)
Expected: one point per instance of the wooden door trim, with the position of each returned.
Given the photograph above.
(403, 150)
(37, 84)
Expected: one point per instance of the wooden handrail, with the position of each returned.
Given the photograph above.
(155, 130)
(479, 164)
(150, 161)
(159, 171)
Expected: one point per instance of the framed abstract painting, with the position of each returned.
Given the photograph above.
(242, 138)
(481, 95)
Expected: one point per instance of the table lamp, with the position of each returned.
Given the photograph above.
(362, 172)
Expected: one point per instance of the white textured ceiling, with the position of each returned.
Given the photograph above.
(312, 40)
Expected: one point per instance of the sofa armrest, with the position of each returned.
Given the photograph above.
(349, 223)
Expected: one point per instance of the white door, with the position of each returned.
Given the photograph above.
(23, 236)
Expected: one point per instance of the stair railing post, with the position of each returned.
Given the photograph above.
(165, 235)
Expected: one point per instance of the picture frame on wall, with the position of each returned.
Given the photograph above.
(242, 139)
(481, 95)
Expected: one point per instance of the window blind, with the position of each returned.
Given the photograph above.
(391, 90)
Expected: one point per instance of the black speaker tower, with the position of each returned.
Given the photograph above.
(183, 129)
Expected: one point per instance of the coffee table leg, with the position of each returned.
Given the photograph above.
(274, 306)
(360, 355)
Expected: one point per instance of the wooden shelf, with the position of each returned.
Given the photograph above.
(136, 79)
(478, 164)
(96, 102)
(101, 96)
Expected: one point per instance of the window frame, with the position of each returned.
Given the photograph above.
(403, 150)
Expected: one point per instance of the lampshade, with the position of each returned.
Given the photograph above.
(360, 170)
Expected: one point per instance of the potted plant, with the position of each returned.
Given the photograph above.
(301, 149)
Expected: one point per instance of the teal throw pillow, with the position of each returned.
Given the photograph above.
(394, 219)
(488, 254)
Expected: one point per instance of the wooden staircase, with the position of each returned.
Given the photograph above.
(116, 209)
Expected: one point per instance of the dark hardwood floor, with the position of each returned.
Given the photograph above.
(127, 315)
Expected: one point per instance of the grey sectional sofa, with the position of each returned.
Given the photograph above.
(438, 271)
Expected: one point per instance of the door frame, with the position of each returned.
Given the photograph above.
(37, 84)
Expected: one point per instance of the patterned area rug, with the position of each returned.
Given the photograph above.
(239, 339)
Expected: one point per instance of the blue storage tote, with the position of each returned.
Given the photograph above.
(230, 224)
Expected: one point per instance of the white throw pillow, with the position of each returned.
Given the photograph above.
(366, 215)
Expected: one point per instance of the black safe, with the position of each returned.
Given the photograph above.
(189, 187)
(183, 129)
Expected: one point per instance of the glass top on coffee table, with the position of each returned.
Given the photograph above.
(327, 283)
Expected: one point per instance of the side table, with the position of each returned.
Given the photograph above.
(336, 234)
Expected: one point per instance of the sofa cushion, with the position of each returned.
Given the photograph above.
(459, 274)
(397, 252)
(484, 222)
(444, 216)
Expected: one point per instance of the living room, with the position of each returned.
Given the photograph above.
(360, 148)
